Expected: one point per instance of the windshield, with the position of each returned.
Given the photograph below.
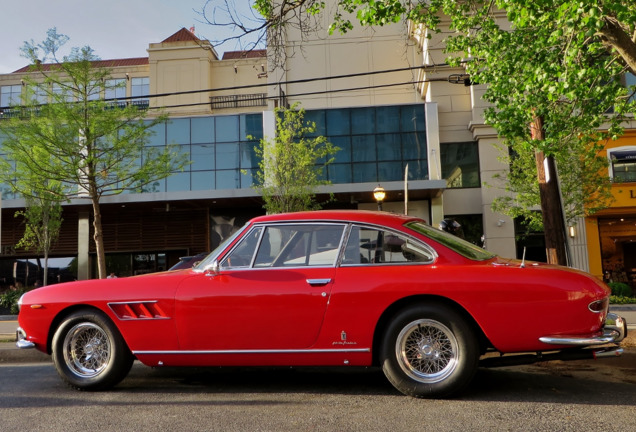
(220, 248)
(460, 246)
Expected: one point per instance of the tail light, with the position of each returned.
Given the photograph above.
(599, 306)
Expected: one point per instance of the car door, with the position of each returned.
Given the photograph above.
(270, 293)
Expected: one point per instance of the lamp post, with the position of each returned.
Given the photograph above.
(379, 194)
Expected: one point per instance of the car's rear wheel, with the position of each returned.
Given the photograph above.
(89, 353)
(429, 351)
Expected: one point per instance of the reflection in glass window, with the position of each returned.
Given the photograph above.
(178, 131)
(460, 164)
(363, 121)
(623, 164)
(227, 156)
(158, 135)
(299, 245)
(388, 119)
(241, 255)
(10, 95)
(227, 128)
(115, 89)
(178, 182)
(202, 157)
(203, 180)
(140, 87)
(228, 179)
(202, 130)
(374, 246)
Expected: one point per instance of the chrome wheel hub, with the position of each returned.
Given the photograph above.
(86, 350)
(427, 351)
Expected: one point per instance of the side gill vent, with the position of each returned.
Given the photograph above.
(138, 310)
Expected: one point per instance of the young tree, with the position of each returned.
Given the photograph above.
(43, 220)
(555, 66)
(292, 163)
(96, 147)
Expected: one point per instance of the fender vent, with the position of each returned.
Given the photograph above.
(138, 310)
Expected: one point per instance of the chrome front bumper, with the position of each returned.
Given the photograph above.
(21, 340)
(614, 331)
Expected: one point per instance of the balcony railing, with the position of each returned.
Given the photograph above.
(238, 101)
(25, 112)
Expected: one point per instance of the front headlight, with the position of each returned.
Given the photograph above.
(20, 302)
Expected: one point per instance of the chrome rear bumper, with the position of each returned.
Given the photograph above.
(614, 331)
(21, 340)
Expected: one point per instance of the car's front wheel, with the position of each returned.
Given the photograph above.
(89, 353)
(429, 351)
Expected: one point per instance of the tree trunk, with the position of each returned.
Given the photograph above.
(553, 220)
(98, 237)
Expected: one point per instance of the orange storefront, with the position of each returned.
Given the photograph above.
(611, 233)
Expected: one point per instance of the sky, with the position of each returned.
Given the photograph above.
(112, 28)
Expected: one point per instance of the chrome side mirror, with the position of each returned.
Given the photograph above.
(212, 269)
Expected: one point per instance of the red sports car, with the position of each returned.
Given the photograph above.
(348, 288)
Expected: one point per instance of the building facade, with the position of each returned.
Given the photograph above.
(400, 122)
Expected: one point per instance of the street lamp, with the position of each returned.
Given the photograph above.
(379, 194)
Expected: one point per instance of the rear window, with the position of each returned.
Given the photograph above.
(452, 242)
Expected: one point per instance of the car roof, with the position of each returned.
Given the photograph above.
(361, 216)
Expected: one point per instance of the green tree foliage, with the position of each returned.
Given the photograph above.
(292, 163)
(94, 147)
(43, 220)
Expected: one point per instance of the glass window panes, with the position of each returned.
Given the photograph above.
(413, 118)
(316, 117)
(389, 147)
(344, 144)
(178, 182)
(414, 145)
(115, 89)
(203, 180)
(251, 127)
(10, 95)
(140, 87)
(228, 179)
(368, 246)
(227, 156)
(338, 122)
(460, 164)
(202, 130)
(241, 255)
(363, 121)
(299, 246)
(202, 156)
(158, 135)
(340, 173)
(178, 131)
(365, 172)
(227, 128)
(248, 158)
(387, 119)
(390, 171)
(363, 147)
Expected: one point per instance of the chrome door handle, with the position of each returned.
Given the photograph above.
(318, 282)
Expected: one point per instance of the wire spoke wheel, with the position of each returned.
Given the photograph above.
(427, 351)
(86, 350)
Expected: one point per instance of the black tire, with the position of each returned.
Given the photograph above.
(89, 353)
(429, 351)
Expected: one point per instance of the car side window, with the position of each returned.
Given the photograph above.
(299, 245)
(368, 245)
(241, 255)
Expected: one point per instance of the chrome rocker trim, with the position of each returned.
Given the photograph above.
(614, 331)
(262, 351)
(21, 340)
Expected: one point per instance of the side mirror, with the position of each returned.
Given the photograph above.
(212, 269)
